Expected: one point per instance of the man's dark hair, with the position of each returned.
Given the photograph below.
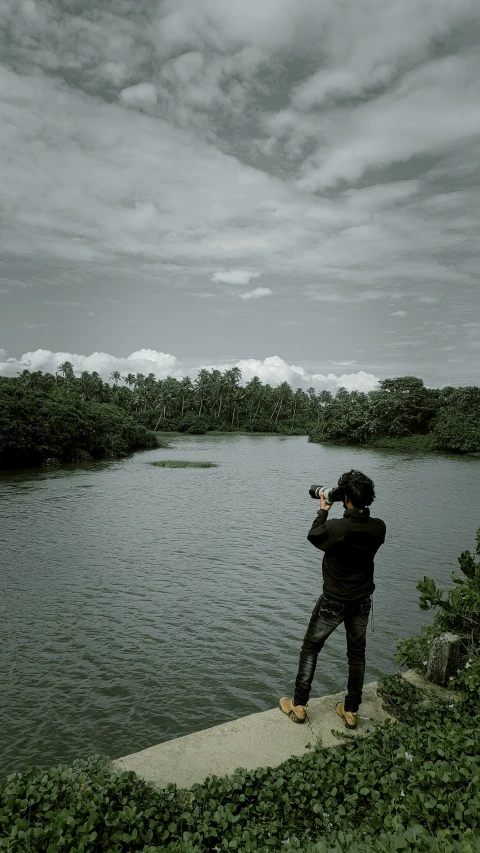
(358, 488)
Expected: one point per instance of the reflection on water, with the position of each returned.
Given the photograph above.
(141, 603)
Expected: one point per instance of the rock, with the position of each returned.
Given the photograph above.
(443, 659)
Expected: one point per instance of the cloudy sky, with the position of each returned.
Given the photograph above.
(287, 185)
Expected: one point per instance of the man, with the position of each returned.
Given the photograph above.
(350, 544)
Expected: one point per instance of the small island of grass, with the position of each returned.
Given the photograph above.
(179, 463)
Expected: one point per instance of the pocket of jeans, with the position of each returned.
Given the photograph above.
(329, 610)
(365, 607)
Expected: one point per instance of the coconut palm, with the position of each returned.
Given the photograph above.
(253, 395)
(187, 392)
(201, 387)
(66, 370)
(85, 383)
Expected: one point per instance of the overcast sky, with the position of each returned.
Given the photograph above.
(287, 185)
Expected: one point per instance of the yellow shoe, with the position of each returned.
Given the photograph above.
(350, 717)
(296, 713)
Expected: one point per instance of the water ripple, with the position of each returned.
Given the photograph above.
(140, 604)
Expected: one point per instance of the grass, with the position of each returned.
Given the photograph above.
(179, 463)
(407, 442)
(423, 443)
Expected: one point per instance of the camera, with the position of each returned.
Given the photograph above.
(330, 494)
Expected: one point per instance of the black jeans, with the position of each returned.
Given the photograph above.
(326, 616)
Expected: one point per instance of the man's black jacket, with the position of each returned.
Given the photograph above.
(350, 544)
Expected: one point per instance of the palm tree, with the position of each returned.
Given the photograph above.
(97, 388)
(284, 393)
(187, 392)
(129, 380)
(85, 385)
(140, 398)
(116, 376)
(253, 393)
(66, 370)
(231, 380)
(237, 396)
(216, 392)
(201, 385)
(298, 400)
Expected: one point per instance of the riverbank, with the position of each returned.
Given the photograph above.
(215, 432)
(410, 443)
(410, 783)
(266, 739)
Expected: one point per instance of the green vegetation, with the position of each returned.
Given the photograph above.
(43, 421)
(406, 442)
(403, 414)
(408, 785)
(460, 614)
(177, 463)
(411, 785)
(69, 418)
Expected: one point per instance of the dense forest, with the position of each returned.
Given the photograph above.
(71, 418)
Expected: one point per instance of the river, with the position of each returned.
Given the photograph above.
(139, 604)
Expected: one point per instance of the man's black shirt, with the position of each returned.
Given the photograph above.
(350, 544)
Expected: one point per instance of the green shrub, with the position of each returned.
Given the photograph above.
(460, 614)
(194, 424)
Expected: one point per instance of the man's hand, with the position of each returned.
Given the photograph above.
(323, 503)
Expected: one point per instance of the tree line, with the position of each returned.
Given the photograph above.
(403, 412)
(71, 418)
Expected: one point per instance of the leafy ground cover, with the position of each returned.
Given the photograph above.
(178, 463)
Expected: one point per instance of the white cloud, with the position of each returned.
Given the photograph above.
(256, 294)
(143, 361)
(34, 325)
(398, 314)
(369, 42)
(344, 82)
(401, 124)
(153, 143)
(273, 369)
(360, 381)
(235, 276)
(339, 298)
(141, 95)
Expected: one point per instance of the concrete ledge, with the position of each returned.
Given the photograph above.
(265, 739)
